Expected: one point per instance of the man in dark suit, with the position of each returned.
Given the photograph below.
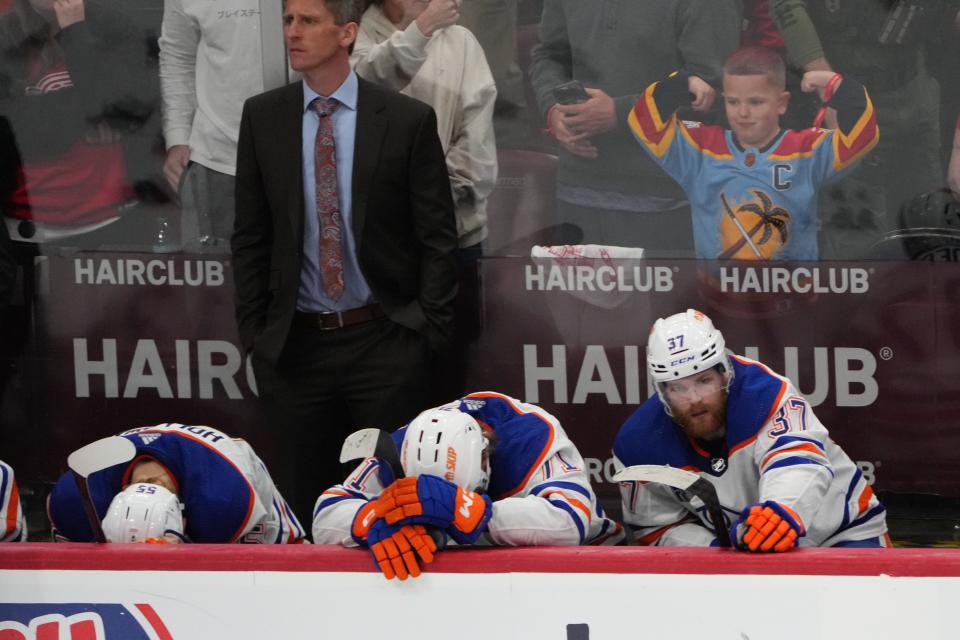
(342, 250)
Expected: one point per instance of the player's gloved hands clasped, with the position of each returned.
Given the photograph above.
(766, 527)
(396, 548)
(436, 502)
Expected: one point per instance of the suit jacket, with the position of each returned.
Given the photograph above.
(403, 216)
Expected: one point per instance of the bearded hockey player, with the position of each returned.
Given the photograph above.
(780, 479)
(485, 469)
(186, 484)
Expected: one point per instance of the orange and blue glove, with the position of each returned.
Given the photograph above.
(439, 503)
(767, 527)
(396, 549)
(362, 521)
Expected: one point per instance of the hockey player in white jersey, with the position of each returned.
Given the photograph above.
(186, 484)
(485, 469)
(13, 528)
(780, 479)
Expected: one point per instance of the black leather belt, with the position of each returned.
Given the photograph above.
(339, 319)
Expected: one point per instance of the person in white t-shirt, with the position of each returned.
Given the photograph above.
(210, 63)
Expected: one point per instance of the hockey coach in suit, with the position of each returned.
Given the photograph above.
(342, 250)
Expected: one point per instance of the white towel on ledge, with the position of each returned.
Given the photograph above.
(585, 251)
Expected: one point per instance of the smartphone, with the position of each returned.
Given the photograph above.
(570, 93)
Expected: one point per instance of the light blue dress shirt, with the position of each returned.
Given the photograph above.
(356, 291)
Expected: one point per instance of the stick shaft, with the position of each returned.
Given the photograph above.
(89, 508)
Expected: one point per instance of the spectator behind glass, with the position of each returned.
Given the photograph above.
(883, 45)
(494, 23)
(753, 187)
(416, 48)
(210, 62)
(759, 30)
(73, 83)
(606, 185)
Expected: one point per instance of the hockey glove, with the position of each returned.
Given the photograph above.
(437, 502)
(395, 549)
(366, 516)
(766, 527)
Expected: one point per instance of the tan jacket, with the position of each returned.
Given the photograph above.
(449, 72)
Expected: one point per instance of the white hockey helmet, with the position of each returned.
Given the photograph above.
(683, 345)
(448, 443)
(143, 511)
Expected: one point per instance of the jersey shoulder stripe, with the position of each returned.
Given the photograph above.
(709, 140)
(754, 397)
(647, 124)
(799, 144)
(525, 437)
(569, 509)
(849, 148)
(649, 436)
(563, 486)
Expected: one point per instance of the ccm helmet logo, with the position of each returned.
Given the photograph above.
(681, 360)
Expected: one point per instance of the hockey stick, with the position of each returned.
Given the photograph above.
(685, 481)
(372, 443)
(97, 456)
(743, 232)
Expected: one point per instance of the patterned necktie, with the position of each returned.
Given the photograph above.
(328, 205)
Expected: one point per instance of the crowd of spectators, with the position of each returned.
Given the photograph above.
(177, 73)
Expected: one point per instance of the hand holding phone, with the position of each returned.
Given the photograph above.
(571, 92)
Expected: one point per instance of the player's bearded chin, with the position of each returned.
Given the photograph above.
(704, 420)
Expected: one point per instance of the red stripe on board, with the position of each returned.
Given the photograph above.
(155, 621)
(332, 558)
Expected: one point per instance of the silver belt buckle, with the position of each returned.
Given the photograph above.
(321, 316)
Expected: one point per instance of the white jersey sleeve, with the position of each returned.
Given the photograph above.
(13, 528)
(556, 505)
(276, 523)
(560, 509)
(801, 467)
(336, 507)
(791, 455)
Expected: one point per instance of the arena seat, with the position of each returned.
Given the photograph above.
(929, 230)
(931, 244)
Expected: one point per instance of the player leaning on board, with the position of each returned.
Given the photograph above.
(781, 481)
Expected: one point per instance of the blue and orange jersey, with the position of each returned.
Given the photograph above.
(753, 203)
(13, 528)
(538, 481)
(226, 491)
(774, 448)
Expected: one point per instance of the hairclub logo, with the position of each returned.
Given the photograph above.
(80, 621)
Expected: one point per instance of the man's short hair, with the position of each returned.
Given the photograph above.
(757, 61)
(344, 11)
